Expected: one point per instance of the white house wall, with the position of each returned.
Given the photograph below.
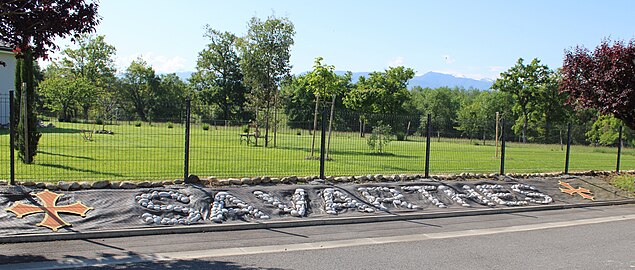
(7, 74)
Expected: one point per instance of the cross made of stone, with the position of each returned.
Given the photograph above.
(51, 210)
(583, 192)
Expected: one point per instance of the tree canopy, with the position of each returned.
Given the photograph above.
(34, 25)
(526, 83)
(383, 92)
(218, 79)
(603, 79)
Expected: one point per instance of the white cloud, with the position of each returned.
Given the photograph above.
(396, 62)
(160, 63)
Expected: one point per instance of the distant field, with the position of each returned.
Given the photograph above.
(156, 152)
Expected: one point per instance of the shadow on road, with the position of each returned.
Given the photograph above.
(12, 259)
(128, 260)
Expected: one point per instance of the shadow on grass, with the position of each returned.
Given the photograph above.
(59, 130)
(64, 167)
(371, 154)
(64, 155)
(5, 131)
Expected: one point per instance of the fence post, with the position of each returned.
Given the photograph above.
(186, 165)
(323, 143)
(503, 139)
(566, 163)
(12, 136)
(619, 151)
(428, 125)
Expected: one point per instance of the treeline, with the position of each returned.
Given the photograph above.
(247, 79)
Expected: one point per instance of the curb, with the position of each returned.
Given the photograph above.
(294, 223)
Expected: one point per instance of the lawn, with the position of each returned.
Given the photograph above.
(156, 152)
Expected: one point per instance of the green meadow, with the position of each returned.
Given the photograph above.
(156, 152)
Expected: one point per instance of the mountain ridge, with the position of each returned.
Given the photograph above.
(428, 80)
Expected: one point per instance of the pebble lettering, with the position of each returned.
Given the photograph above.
(173, 208)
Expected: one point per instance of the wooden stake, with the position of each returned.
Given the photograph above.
(497, 121)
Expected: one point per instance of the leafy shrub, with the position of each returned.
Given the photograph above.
(170, 125)
(137, 123)
(245, 129)
(401, 136)
(605, 131)
(379, 138)
(99, 121)
(205, 126)
(298, 133)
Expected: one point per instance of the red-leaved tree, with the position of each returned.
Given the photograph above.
(603, 79)
(30, 28)
(33, 25)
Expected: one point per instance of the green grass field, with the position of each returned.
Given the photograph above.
(156, 152)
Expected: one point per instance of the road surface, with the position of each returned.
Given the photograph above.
(584, 238)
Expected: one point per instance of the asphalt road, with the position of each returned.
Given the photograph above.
(585, 238)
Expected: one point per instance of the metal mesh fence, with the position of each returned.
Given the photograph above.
(355, 144)
(362, 144)
(118, 150)
(5, 160)
(240, 149)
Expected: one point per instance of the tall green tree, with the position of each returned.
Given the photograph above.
(170, 97)
(93, 61)
(552, 108)
(265, 52)
(382, 94)
(442, 104)
(140, 85)
(218, 79)
(525, 82)
(324, 84)
(28, 136)
(476, 117)
(64, 91)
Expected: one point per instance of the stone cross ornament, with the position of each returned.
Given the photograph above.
(51, 210)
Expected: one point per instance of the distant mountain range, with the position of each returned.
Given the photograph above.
(435, 80)
(430, 80)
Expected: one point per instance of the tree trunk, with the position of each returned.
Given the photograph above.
(64, 116)
(525, 122)
(142, 115)
(267, 124)
(330, 127)
(85, 109)
(275, 118)
(317, 102)
(547, 129)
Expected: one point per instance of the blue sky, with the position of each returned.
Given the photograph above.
(476, 39)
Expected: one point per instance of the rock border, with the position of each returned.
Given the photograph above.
(266, 180)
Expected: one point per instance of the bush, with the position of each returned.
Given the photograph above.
(298, 133)
(401, 136)
(246, 129)
(137, 124)
(205, 126)
(379, 138)
(99, 122)
(170, 125)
